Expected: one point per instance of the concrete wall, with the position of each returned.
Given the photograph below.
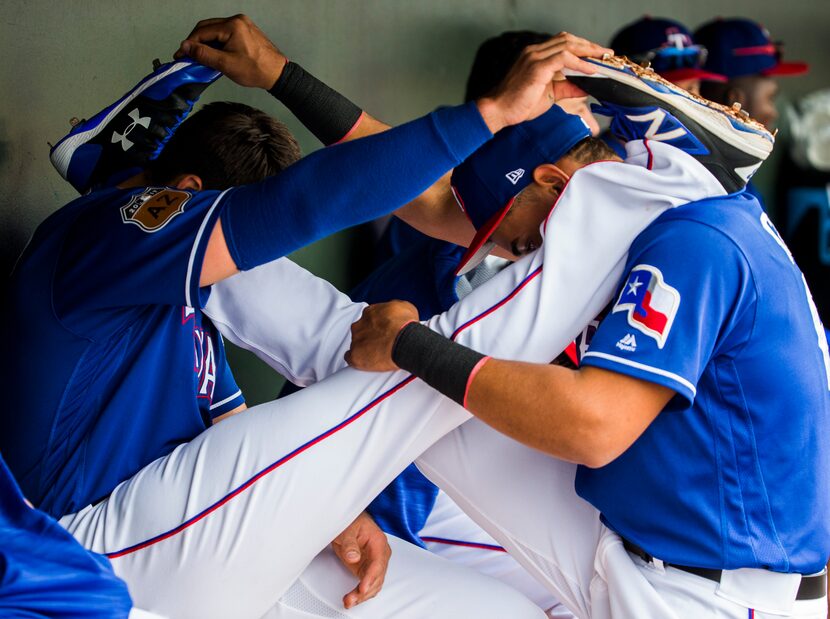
(397, 58)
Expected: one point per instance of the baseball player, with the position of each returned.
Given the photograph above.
(423, 271)
(668, 47)
(743, 51)
(106, 303)
(591, 569)
(675, 392)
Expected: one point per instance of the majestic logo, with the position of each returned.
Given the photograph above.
(515, 175)
(154, 208)
(628, 343)
(122, 137)
(650, 302)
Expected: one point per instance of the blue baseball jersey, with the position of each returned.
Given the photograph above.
(734, 472)
(45, 572)
(110, 363)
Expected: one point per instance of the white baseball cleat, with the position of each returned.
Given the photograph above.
(643, 105)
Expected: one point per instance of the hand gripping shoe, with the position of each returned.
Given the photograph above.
(643, 105)
(120, 139)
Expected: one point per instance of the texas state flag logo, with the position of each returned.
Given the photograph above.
(650, 302)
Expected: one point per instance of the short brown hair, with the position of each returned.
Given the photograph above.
(591, 149)
(226, 144)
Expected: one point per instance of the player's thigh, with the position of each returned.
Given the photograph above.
(137, 613)
(526, 501)
(453, 535)
(261, 493)
(418, 584)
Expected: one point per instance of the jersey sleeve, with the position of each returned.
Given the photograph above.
(297, 323)
(226, 395)
(686, 286)
(134, 248)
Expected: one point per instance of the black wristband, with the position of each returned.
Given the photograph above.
(324, 111)
(441, 363)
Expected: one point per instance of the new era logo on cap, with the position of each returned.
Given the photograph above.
(515, 175)
(477, 184)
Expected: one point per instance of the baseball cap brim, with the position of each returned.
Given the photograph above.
(787, 68)
(679, 75)
(481, 246)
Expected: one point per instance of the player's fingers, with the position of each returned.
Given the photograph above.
(347, 548)
(213, 58)
(372, 578)
(213, 33)
(574, 44)
(207, 22)
(352, 598)
(373, 568)
(563, 89)
(571, 61)
(368, 587)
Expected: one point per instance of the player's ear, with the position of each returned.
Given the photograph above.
(735, 94)
(187, 181)
(550, 176)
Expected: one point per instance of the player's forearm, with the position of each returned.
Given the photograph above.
(436, 213)
(589, 416)
(328, 114)
(558, 411)
(329, 190)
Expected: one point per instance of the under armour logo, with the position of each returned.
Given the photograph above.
(515, 175)
(122, 137)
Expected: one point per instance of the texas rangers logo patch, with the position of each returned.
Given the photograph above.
(650, 302)
(153, 209)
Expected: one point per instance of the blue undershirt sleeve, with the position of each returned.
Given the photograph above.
(347, 184)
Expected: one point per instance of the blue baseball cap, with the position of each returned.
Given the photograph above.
(666, 44)
(739, 47)
(488, 181)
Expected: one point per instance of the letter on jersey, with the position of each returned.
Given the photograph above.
(650, 302)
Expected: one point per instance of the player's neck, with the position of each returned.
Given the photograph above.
(139, 180)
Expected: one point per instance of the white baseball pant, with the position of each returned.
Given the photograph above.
(450, 533)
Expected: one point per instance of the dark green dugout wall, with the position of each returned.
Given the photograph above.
(396, 58)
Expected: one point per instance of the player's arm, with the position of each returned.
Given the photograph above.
(328, 190)
(588, 416)
(250, 59)
(230, 413)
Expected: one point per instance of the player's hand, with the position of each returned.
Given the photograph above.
(530, 88)
(364, 549)
(373, 336)
(237, 48)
